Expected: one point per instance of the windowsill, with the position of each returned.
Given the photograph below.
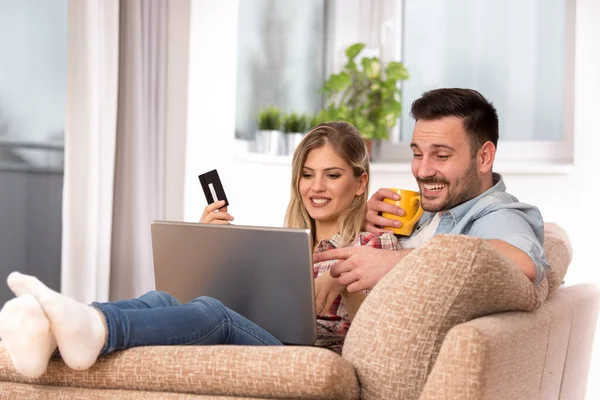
(504, 167)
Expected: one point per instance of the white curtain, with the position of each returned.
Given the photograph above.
(139, 176)
(90, 139)
(114, 146)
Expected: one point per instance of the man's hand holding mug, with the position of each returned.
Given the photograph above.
(395, 210)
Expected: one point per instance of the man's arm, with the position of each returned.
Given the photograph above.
(360, 268)
(519, 257)
(517, 234)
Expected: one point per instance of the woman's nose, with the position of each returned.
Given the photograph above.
(319, 184)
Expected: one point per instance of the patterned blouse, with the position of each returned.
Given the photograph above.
(333, 326)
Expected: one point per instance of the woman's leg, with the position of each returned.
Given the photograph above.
(84, 332)
(151, 299)
(203, 321)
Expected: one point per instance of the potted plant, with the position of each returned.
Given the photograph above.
(269, 138)
(369, 96)
(294, 128)
(318, 118)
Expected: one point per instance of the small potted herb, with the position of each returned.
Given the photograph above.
(269, 138)
(294, 128)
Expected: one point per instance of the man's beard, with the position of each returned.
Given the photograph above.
(467, 187)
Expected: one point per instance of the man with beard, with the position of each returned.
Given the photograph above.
(454, 144)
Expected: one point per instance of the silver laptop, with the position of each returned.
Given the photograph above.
(264, 274)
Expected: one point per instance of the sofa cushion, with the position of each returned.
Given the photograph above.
(11, 390)
(397, 333)
(244, 371)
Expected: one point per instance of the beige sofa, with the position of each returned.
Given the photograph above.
(453, 320)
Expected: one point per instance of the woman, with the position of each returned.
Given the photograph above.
(330, 175)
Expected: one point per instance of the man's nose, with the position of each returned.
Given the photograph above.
(425, 169)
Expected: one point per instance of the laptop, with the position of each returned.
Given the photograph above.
(263, 273)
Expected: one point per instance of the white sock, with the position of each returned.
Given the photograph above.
(25, 331)
(80, 330)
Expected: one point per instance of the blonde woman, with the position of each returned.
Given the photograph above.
(330, 175)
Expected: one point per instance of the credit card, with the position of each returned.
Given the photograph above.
(212, 187)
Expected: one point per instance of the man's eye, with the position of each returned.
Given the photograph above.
(443, 157)
(415, 155)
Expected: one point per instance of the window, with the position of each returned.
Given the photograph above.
(517, 53)
(33, 44)
(514, 52)
(511, 51)
(281, 58)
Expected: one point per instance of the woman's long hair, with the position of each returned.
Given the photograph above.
(347, 142)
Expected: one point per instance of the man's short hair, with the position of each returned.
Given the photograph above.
(480, 118)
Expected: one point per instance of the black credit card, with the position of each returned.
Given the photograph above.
(212, 187)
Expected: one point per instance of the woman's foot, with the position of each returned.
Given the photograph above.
(80, 330)
(25, 331)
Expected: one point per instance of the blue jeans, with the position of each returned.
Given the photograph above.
(158, 319)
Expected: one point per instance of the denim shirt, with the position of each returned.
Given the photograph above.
(495, 214)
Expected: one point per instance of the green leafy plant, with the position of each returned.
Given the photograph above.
(318, 118)
(368, 97)
(269, 118)
(295, 123)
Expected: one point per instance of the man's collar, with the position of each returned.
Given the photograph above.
(461, 210)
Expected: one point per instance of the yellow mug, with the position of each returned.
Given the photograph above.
(410, 202)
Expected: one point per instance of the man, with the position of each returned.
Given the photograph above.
(454, 145)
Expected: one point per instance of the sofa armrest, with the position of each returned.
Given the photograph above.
(238, 371)
(510, 355)
(397, 333)
(559, 253)
(543, 354)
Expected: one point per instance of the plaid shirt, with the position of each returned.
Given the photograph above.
(333, 326)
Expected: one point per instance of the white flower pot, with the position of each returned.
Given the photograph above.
(293, 139)
(270, 142)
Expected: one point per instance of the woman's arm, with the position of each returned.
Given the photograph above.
(352, 301)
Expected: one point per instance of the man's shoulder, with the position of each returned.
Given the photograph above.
(500, 200)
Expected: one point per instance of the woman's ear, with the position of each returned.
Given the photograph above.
(362, 180)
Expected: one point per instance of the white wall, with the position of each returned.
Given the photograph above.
(176, 116)
(258, 190)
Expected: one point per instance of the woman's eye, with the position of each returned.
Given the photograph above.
(333, 176)
(306, 176)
